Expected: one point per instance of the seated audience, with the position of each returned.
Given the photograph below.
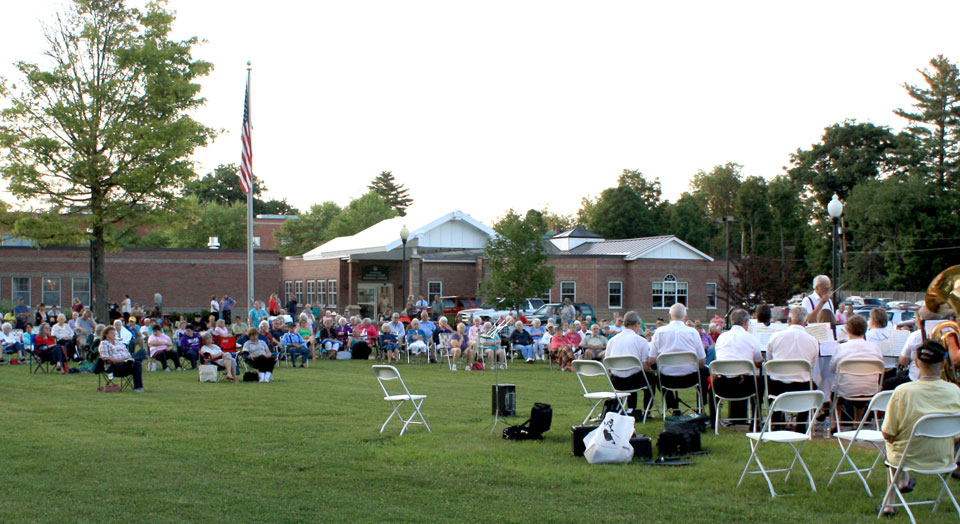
(329, 339)
(473, 334)
(10, 342)
(880, 331)
(793, 343)
(522, 340)
(677, 337)
(64, 336)
(305, 330)
(189, 346)
(117, 360)
(536, 336)
(258, 354)
(211, 353)
(626, 342)
(490, 345)
(295, 345)
(593, 344)
(161, 348)
(459, 345)
(46, 349)
(388, 344)
(221, 329)
(416, 339)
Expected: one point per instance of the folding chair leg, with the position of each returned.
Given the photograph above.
(946, 489)
(803, 464)
(396, 408)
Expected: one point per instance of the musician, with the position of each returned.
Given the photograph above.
(675, 337)
(880, 331)
(819, 299)
(793, 343)
(738, 344)
(926, 395)
(629, 342)
(855, 385)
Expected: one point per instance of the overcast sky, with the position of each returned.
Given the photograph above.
(484, 106)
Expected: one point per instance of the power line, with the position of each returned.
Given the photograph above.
(901, 251)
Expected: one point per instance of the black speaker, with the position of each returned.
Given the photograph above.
(504, 398)
(578, 433)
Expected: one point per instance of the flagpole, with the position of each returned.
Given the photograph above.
(250, 292)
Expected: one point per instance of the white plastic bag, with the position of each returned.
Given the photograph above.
(208, 373)
(610, 442)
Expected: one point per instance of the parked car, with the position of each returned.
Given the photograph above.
(853, 300)
(455, 304)
(902, 304)
(900, 316)
(493, 312)
(553, 309)
(780, 313)
(872, 302)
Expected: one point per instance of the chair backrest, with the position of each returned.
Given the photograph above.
(786, 367)
(387, 373)
(860, 367)
(590, 368)
(732, 368)
(676, 358)
(622, 363)
(797, 401)
(879, 401)
(938, 426)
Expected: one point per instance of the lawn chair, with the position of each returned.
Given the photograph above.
(387, 373)
(946, 426)
(871, 436)
(592, 368)
(106, 380)
(678, 358)
(790, 402)
(734, 368)
(627, 363)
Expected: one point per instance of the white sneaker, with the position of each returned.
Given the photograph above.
(110, 376)
(453, 367)
(503, 367)
(168, 369)
(468, 367)
(262, 379)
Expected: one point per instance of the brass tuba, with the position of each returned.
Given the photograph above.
(943, 298)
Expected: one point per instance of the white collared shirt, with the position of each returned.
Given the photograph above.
(793, 343)
(914, 341)
(810, 303)
(854, 385)
(627, 342)
(880, 335)
(738, 344)
(674, 337)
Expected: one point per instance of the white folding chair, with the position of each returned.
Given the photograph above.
(734, 368)
(678, 358)
(946, 426)
(855, 367)
(785, 367)
(870, 436)
(629, 363)
(592, 368)
(386, 374)
(790, 402)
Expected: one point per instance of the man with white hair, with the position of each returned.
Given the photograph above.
(629, 342)
(819, 299)
(739, 344)
(676, 337)
(793, 343)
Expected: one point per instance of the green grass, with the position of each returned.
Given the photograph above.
(306, 448)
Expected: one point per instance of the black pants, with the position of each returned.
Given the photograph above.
(777, 387)
(894, 381)
(263, 363)
(679, 381)
(190, 355)
(53, 354)
(130, 367)
(741, 386)
(635, 381)
(227, 314)
(360, 351)
(171, 355)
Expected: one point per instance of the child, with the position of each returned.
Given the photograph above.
(388, 344)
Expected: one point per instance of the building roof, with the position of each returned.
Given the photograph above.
(454, 233)
(662, 247)
(577, 232)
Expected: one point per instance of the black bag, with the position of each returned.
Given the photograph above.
(541, 416)
(578, 433)
(700, 420)
(679, 439)
(251, 376)
(642, 448)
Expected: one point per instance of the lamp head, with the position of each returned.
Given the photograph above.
(835, 207)
(404, 233)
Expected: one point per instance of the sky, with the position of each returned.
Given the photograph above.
(486, 106)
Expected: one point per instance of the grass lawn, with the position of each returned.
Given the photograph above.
(306, 448)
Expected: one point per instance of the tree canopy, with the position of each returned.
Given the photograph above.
(517, 260)
(395, 195)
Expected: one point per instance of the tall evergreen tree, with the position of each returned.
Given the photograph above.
(396, 196)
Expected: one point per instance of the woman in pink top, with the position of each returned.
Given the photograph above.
(221, 329)
(161, 347)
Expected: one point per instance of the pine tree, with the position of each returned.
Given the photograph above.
(396, 196)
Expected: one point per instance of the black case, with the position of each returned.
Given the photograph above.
(578, 433)
(642, 447)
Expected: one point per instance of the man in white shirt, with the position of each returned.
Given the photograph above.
(738, 344)
(793, 343)
(629, 342)
(396, 327)
(677, 337)
(617, 326)
(819, 299)
(850, 386)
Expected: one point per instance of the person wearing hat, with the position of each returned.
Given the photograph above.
(926, 395)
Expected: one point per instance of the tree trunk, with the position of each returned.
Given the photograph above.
(99, 283)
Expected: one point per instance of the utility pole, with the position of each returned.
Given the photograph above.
(726, 233)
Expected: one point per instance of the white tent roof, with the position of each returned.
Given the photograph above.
(429, 231)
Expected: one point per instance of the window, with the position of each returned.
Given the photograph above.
(51, 291)
(669, 292)
(568, 289)
(434, 290)
(614, 294)
(310, 296)
(298, 286)
(711, 295)
(256, 241)
(332, 293)
(81, 290)
(287, 291)
(21, 289)
(321, 292)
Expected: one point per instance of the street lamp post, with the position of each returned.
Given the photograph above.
(835, 209)
(404, 235)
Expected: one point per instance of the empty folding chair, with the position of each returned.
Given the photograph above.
(945, 426)
(851, 368)
(630, 363)
(592, 368)
(678, 358)
(846, 440)
(734, 368)
(790, 402)
(385, 374)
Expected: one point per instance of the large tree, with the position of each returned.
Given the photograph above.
(222, 186)
(311, 229)
(103, 130)
(360, 214)
(395, 195)
(517, 260)
(629, 210)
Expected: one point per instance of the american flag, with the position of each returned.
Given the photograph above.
(246, 162)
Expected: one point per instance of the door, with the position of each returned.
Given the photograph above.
(367, 300)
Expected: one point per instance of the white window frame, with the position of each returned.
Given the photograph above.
(287, 291)
(321, 292)
(610, 294)
(43, 291)
(13, 291)
(430, 294)
(332, 293)
(298, 291)
(73, 290)
(564, 296)
(310, 292)
(714, 306)
(669, 282)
